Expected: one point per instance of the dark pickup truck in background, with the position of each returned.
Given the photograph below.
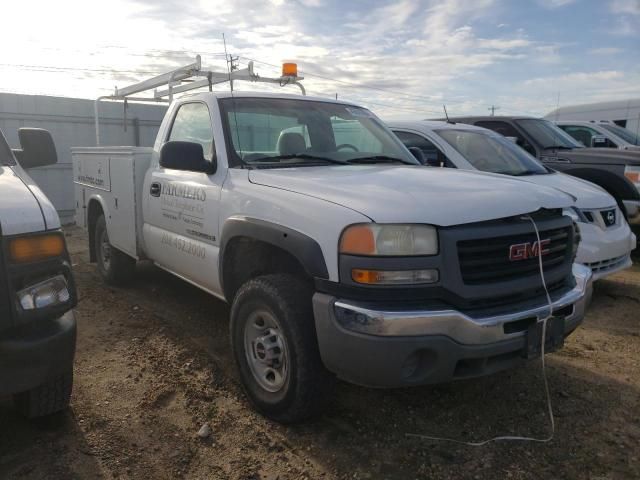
(616, 171)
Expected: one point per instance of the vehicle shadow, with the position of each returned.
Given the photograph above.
(51, 447)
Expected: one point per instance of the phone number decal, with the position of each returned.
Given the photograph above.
(184, 246)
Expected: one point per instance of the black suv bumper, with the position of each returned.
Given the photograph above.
(34, 353)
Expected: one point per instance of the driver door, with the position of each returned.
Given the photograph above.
(182, 206)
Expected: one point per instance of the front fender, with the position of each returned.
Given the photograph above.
(616, 184)
(304, 248)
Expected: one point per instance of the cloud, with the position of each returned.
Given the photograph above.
(394, 55)
(552, 4)
(625, 7)
(605, 51)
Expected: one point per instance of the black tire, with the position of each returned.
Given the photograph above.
(46, 399)
(120, 267)
(309, 386)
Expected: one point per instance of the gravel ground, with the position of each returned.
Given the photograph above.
(153, 365)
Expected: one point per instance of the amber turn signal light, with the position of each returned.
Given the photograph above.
(36, 247)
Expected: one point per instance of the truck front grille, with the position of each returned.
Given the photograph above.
(488, 260)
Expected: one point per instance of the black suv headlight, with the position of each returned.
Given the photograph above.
(48, 293)
(39, 273)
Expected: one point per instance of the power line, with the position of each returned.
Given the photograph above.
(347, 83)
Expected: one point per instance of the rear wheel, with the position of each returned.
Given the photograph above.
(275, 347)
(46, 399)
(114, 266)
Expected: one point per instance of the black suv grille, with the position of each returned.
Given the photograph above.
(488, 260)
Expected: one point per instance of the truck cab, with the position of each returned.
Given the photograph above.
(341, 256)
(37, 290)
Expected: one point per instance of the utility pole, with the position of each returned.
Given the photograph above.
(493, 109)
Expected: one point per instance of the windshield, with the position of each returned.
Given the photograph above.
(291, 132)
(492, 153)
(627, 135)
(547, 134)
(6, 156)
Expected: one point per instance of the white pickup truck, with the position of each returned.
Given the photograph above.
(37, 292)
(340, 256)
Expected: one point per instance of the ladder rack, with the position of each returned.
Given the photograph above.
(183, 79)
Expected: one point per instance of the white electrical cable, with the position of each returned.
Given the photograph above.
(544, 376)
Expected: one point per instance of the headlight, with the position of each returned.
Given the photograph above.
(48, 293)
(36, 247)
(389, 240)
(633, 174)
(575, 214)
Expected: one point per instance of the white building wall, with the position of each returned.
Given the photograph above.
(71, 123)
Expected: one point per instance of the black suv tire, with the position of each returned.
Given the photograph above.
(46, 399)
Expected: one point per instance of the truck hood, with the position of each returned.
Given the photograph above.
(611, 156)
(20, 211)
(588, 195)
(407, 194)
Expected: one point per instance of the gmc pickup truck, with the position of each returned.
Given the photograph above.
(340, 255)
(37, 291)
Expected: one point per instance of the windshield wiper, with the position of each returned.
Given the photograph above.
(376, 159)
(303, 156)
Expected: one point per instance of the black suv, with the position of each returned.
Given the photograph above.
(607, 167)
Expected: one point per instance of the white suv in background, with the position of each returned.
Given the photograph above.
(606, 239)
(601, 134)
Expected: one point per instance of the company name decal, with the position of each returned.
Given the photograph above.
(184, 191)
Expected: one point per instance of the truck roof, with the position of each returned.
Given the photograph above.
(433, 124)
(485, 118)
(242, 94)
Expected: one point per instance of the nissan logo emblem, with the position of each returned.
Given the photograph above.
(611, 217)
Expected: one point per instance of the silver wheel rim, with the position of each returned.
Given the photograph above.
(105, 250)
(266, 350)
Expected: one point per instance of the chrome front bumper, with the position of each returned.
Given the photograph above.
(461, 327)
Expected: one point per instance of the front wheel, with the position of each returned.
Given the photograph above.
(114, 266)
(275, 347)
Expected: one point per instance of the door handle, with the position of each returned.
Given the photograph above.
(155, 189)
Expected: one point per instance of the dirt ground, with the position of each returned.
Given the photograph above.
(153, 365)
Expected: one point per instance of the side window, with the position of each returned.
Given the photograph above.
(507, 130)
(585, 134)
(432, 154)
(193, 124)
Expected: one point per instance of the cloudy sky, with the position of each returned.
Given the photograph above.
(402, 58)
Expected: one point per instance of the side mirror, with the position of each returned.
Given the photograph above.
(38, 149)
(417, 153)
(187, 156)
(598, 141)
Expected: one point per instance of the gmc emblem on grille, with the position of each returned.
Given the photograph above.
(522, 251)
